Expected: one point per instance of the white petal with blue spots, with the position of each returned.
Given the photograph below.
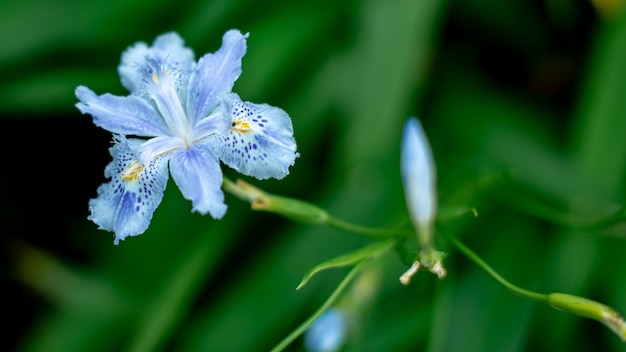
(260, 142)
(126, 203)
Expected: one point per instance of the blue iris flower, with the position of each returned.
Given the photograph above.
(182, 114)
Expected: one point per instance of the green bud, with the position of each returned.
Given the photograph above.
(589, 309)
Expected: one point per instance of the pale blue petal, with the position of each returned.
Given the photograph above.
(161, 77)
(215, 75)
(158, 147)
(260, 143)
(125, 204)
(161, 87)
(128, 69)
(418, 174)
(124, 115)
(168, 50)
(218, 122)
(197, 173)
(173, 64)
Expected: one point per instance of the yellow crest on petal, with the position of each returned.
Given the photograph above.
(132, 171)
(241, 126)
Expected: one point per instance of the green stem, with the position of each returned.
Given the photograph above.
(301, 211)
(565, 302)
(331, 299)
(237, 191)
(539, 297)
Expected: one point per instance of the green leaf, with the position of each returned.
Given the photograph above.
(367, 252)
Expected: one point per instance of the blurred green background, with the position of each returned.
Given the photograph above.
(532, 87)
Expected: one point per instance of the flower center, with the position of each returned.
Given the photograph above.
(132, 171)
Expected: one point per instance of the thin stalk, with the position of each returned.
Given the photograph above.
(538, 297)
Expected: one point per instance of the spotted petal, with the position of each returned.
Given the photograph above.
(260, 143)
(197, 173)
(126, 203)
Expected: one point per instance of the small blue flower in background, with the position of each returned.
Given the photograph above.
(181, 113)
(328, 332)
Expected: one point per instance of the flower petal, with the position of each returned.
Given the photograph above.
(170, 48)
(260, 143)
(125, 204)
(158, 146)
(218, 122)
(124, 115)
(167, 49)
(197, 173)
(418, 174)
(128, 69)
(163, 86)
(215, 75)
(161, 75)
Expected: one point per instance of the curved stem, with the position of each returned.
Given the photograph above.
(539, 297)
(331, 299)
